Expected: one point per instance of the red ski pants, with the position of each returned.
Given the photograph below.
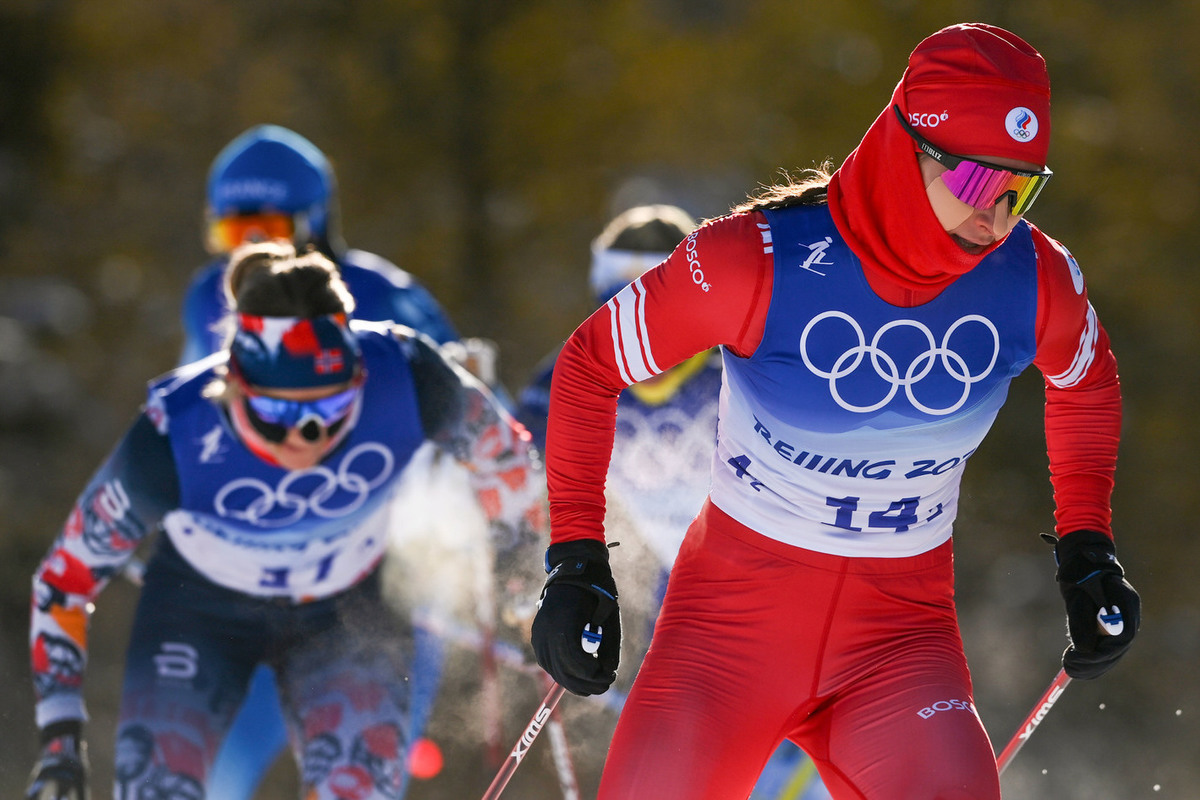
(859, 661)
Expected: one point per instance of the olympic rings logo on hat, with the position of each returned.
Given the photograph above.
(253, 501)
(1021, 124)
(887, 369)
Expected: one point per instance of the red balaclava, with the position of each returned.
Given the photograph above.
(971, 89)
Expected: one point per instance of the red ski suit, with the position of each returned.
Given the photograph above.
(793, 629)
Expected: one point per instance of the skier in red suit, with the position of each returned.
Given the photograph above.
(870, 321)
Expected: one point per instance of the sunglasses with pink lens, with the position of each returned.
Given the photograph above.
(979, 184)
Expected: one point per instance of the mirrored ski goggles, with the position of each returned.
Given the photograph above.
(290, 413)
(273, 417)
(978, 184)
(233, 231)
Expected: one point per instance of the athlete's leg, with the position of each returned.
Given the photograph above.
(354, 699)
(789, 773)
(904, 738)
(898, 719)
(726, 674)
(425, 676)
(189, 659)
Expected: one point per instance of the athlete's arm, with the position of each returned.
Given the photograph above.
(121, 505)
(461, 415)
(383, 292)
(713, 290)
(1083, 394)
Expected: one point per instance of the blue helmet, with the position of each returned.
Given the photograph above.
(270, 169)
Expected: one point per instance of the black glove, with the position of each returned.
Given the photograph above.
(61, 769)
(1103, 610)
(577, 630)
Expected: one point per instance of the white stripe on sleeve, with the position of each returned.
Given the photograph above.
(1084, 356)
(631, 341)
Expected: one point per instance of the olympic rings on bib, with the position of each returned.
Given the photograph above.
(255, 502)
(888, 370)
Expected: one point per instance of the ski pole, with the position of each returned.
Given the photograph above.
(522, 746)
(507, 655)
(485, 612)
(563, 765)
(1039, 712)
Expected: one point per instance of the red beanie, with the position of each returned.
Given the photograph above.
(974, 89)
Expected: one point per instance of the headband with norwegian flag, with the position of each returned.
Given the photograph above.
(294, 352)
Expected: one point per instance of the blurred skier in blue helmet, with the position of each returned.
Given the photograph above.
(274, 178)
(272, 183)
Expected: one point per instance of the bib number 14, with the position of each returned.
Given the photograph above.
(897, 517)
